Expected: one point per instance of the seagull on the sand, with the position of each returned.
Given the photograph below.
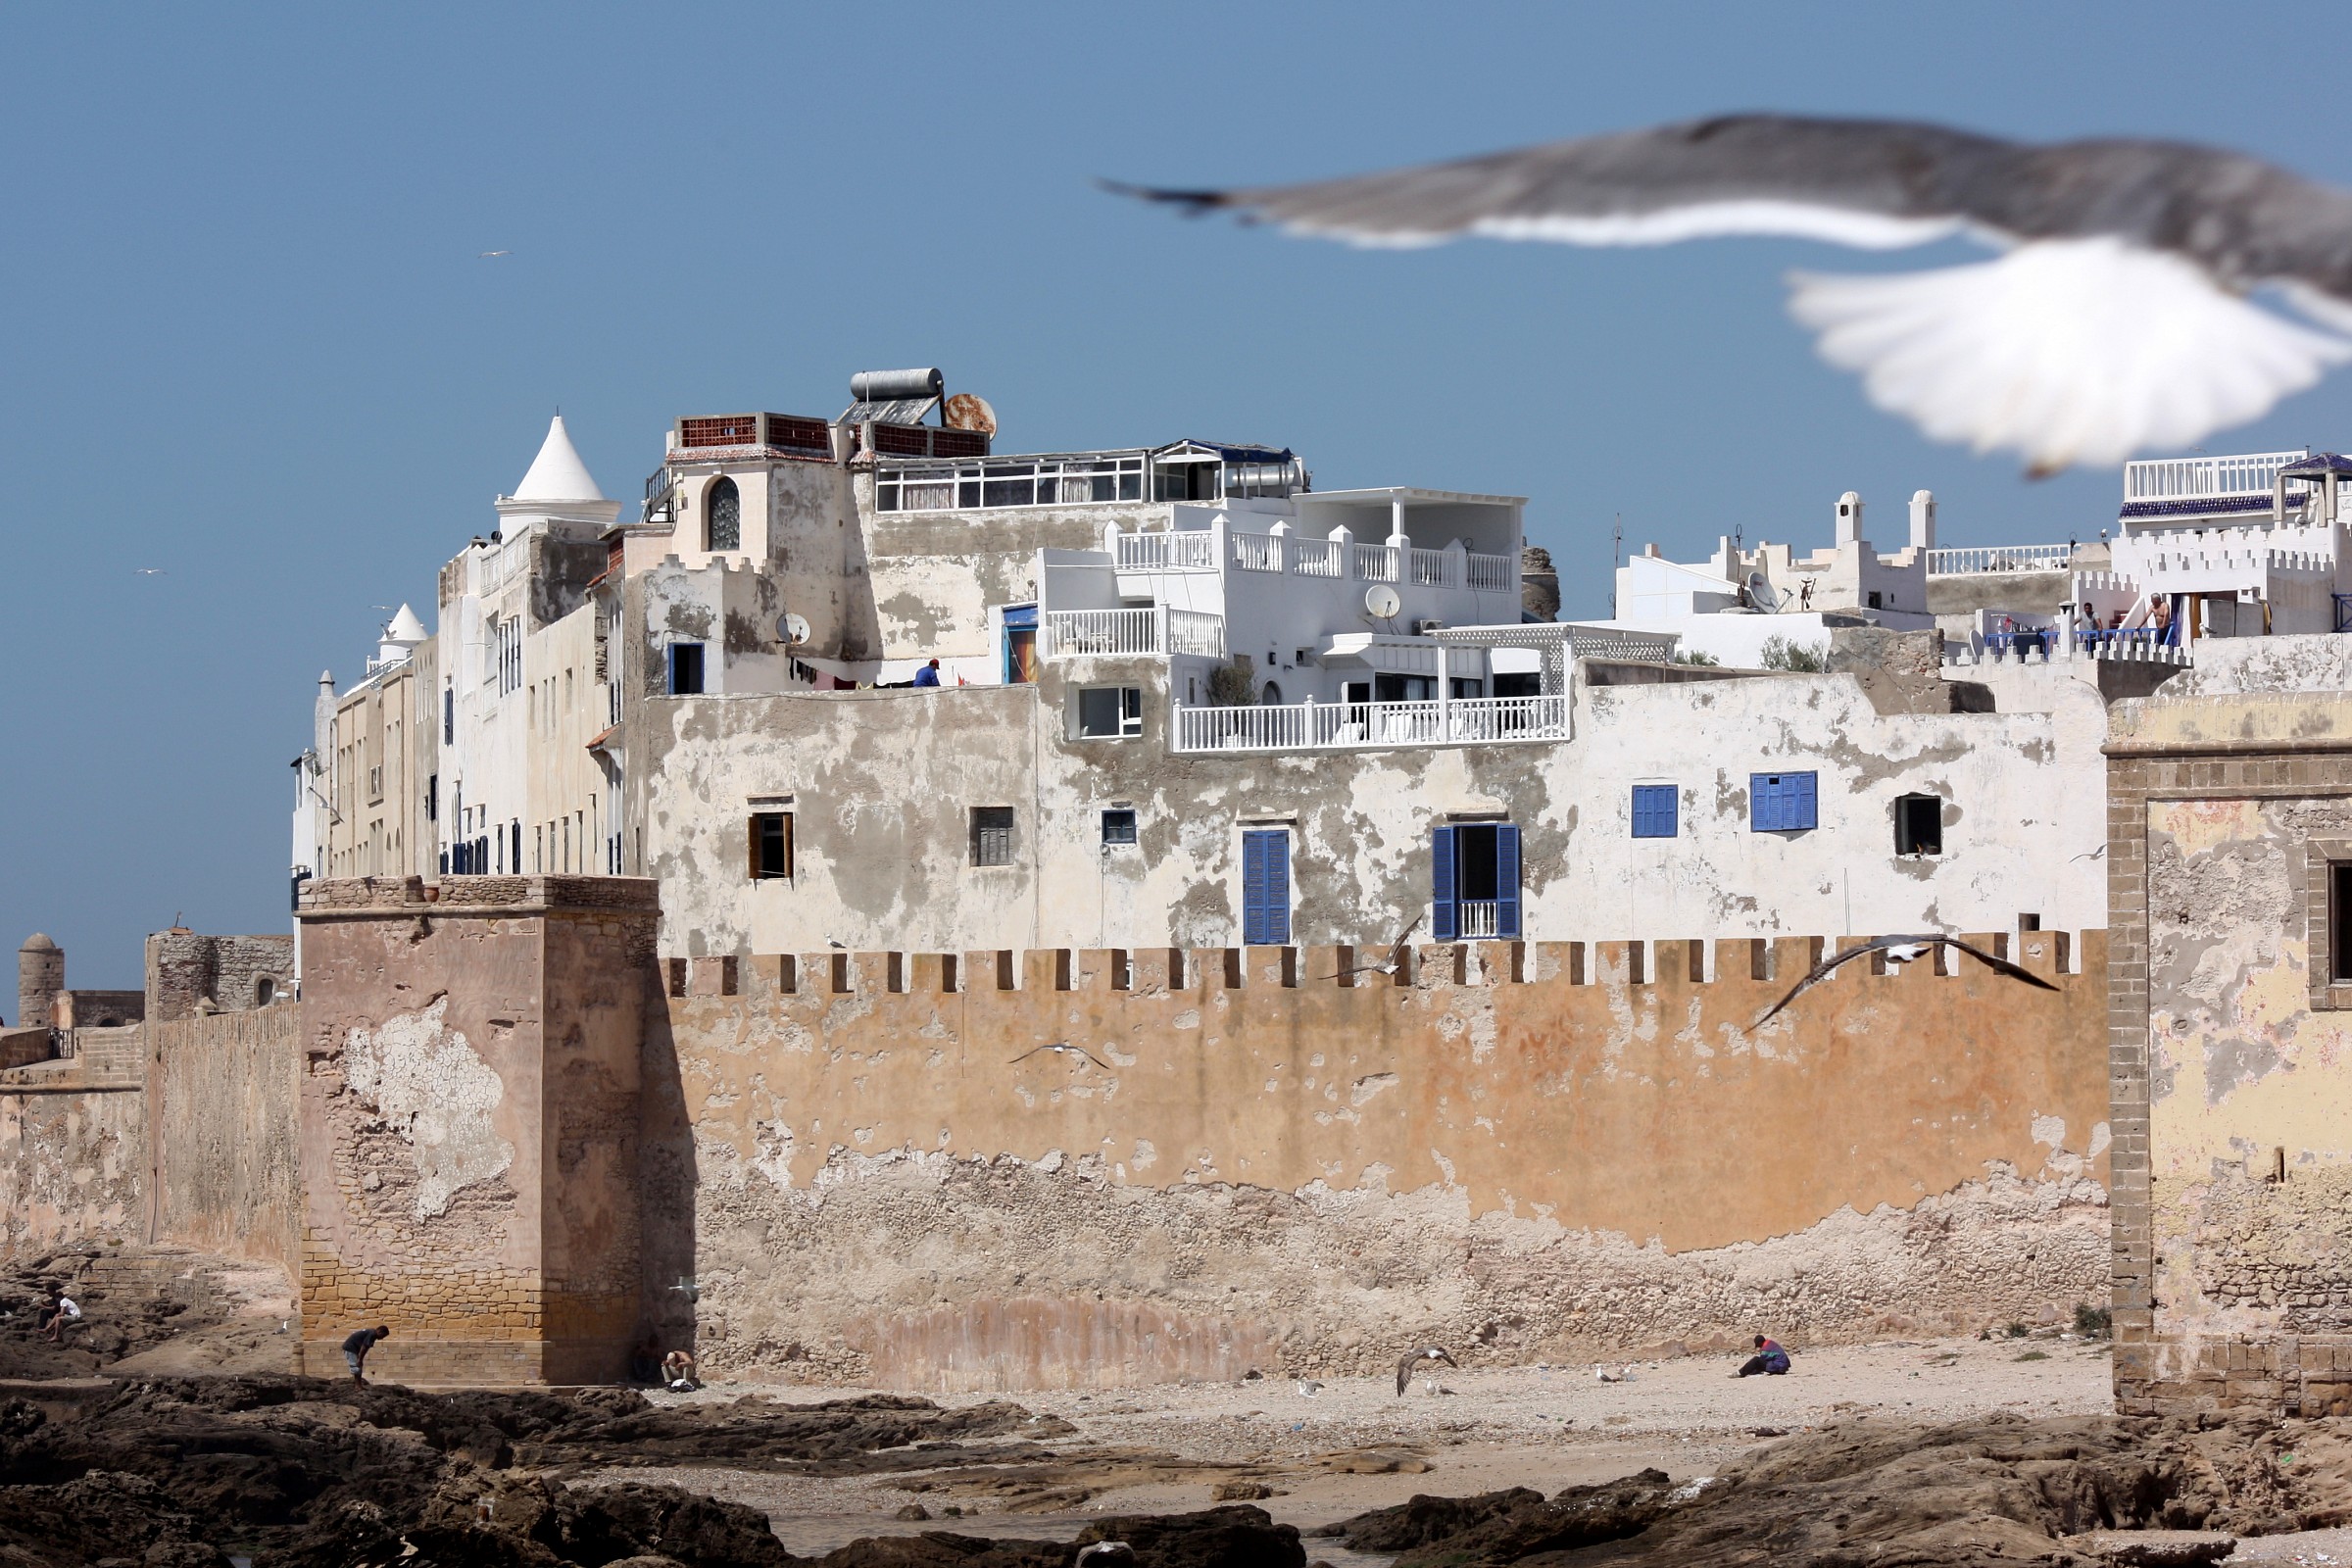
(2116, 317)
(1423, 1360)
(1624, 1374)
(1900, 951)
(1309, 1388)
(1065, 1049)
(1388, 965)
(1105, 1552)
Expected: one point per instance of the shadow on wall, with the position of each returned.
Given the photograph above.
(667, 1179)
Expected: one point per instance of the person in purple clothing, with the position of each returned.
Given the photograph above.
(1770, 1360)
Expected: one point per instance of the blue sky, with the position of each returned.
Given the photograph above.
(247, 339)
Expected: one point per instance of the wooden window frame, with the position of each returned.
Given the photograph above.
(980, 834)
(2328, 922)
(757, 837)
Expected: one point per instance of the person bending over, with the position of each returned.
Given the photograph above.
(1770, 1360)
(355, 1348)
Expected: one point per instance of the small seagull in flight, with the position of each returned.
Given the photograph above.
(1424, 1361)
(1388, 965)
(150, 571)
(1065, 1049)
(2116, 317)
(486, 255)
(1900, 951)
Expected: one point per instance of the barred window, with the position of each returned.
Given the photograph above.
(722, 516)
(992, 835)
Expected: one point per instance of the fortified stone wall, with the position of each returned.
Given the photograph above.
(188, 969)
(2232, 1051)
(1531, 1152)
(222, 1114)
(468, 1123)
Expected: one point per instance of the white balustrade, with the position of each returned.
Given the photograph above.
(1316, 557)
(1373, 562)
(1257, 552)
(1477, 918)
(1432, 568)
(1337, 727)
(1190, 549)
(2249, 474)
(1998, 557)
(1490, 574)
(1083, 633)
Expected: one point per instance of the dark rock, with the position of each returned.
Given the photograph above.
(1420, 1520)
(1233, 1537)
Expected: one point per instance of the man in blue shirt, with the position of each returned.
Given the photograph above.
(928, 676)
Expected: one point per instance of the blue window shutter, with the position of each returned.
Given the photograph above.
(1265, 887)
(1764, 801)
(1506, 881)
(1441, 923)
(1654, 811)
(1801, 803)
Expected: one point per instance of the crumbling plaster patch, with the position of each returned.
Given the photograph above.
(431, 1088)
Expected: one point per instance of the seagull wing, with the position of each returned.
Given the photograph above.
(1404, 1369)
(2003, 965)
(1396, 948)
(1026, 1055)
(1089, 1056)
(2115, 323)
(1822, 971)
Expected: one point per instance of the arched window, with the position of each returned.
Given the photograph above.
(722, 516)
(1272, 696)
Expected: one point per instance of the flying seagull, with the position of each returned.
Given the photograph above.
(1065, 1049)
(486, 255)
(1900, 950)
(150, 571)
(1388, 965)
(1421, 1359)
(2116, 317)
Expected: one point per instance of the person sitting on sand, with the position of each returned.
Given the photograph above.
(1770, 1360)
(677, 1371)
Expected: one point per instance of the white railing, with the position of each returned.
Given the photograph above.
(1335, 727)
(1257, 552)
(2250, 474)
(1316, 557)
(1474, 919)
(1192, 549)
(1192, 632)
(1373, 562)
(1493, 574)
(2000, 557)
(1084, 633)
(1432, 568)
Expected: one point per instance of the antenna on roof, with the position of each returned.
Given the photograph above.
(1616, 552)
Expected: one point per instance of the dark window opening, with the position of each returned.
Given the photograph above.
(1118, 826)
(1475, 866)
(2339, 922)
(1469, 687)
(432, 798)
(771, 845)
(992, 835)
(685, 669)
(1874, 600)
(449, 716)
(1387, 688)
(1654, 811)
(1111, 712)
(1518, 683)
(722, 516)
(1918, 825)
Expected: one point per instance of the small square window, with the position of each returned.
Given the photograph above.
(1874, 600)
(1918, 825)
(992, 835)
(1111, 712)
(1118, 826)
(1654, 811)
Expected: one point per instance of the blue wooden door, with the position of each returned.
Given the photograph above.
(1266, 887)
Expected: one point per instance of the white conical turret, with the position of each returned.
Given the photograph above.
(558, 473)
(403, 635)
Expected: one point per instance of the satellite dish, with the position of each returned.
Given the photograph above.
(1382, 601)
(1759, 594)
(968, 410)
(793, 629)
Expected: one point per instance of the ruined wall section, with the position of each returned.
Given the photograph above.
(2231, 1054)
(1540, 1150)
(469, 1178)
(72, 1166)
(223, 1114)
(190, 972)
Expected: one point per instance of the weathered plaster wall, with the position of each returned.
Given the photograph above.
(883, 784)
(468, 1177)
(1301, 1175)
(935, 575)
(71, 1166)
(2234, 1166)
(222, 1112)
